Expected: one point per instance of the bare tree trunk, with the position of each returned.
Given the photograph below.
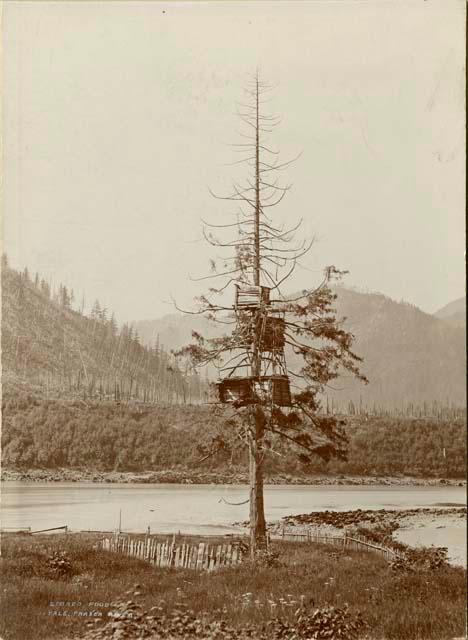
(257, 511)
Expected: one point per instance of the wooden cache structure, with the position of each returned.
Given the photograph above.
(251, 297)
(242, 391)
(267, 328)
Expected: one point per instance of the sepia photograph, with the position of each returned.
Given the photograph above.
(233, 320)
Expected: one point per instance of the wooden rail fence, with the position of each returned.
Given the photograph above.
(28, 529)
(201, 556)
(352, 543)
(63, 528)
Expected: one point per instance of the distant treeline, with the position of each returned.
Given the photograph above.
(424, 447)
(49, 344)
(436, 410)
(42, 433)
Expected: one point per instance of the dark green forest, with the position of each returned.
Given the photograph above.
(48, 434)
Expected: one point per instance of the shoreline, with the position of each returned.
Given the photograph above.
(187, 477)
(418, 527)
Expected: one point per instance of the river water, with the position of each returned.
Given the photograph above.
(192, 508)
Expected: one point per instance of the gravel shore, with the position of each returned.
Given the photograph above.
(181, 476)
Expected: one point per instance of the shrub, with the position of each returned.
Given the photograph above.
(330, 622)
(421, 558)
(130, 621)
(59, 564)
(268, 558)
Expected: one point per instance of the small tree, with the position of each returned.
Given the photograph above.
(45, 288)
(64, 297)
(263, 254)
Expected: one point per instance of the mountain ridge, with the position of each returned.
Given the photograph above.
(409, 356)
(454, 312)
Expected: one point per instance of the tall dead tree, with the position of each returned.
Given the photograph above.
(255, 379)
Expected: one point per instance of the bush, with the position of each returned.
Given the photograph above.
(59, 565)
(267, 558)
(380, 533)
(131, 621)
(330, 622)
(420, 558)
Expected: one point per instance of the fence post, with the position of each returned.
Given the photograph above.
(173, 550)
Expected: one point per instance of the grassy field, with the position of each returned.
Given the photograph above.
(404, 605)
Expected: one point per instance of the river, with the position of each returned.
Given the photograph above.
(192, 508)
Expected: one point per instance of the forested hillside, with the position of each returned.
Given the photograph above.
(49, 434)
(81, 393)
(51, 346)
(412, 360)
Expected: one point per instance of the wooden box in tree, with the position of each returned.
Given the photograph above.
(244, 391)
(235, 391)
(274, 389)
(272, 334)
(251, 297)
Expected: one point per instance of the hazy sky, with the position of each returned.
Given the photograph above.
(118, 116)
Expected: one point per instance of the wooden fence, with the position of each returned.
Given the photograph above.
(351, 543)
(205, 556)
(200, 556)
(63, 528)
(28, 529)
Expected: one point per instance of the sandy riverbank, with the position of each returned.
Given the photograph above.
(182, 476)
(440, 527)
(441, 530)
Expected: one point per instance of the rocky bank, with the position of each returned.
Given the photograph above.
(190, 476)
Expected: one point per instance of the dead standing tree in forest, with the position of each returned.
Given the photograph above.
(251, 359)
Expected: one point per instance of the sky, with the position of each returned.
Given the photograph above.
(118, 118)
